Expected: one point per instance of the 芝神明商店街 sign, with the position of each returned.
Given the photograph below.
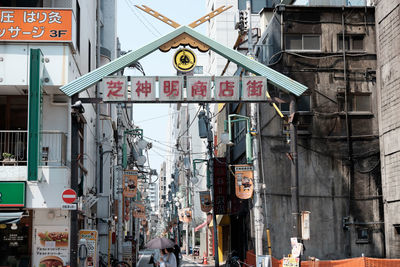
(36, 25)
(177, 89)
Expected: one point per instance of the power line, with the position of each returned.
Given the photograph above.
(195, 116)
(144, 17)
(162, 116)
(144, 24)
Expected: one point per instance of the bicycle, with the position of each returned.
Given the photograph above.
(233, 260)
(103, 261)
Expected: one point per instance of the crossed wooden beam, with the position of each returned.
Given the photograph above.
(174, 24)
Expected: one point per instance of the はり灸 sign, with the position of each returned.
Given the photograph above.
(50, 25)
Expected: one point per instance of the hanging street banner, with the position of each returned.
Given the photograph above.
(220, 186)
(139, 210)
(172, 89)
(114, 89)
(36, 25)
(185, 215)
(205, 201)
(244, 181)
(126, 208)
(130, 183)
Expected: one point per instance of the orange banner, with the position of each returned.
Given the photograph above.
(50, 25)
(244, 181)
(130, 183)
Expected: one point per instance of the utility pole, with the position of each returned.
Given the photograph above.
(211, 171)
(258, 219)
(74, 182)
(294, 189)
(119, 181)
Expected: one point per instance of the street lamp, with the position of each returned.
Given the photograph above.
(232, 118)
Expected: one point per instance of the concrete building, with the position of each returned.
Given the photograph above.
(362, 212)
(67, 35)
(388, 50)
(339, 176)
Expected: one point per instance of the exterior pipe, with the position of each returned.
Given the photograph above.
(348, 129)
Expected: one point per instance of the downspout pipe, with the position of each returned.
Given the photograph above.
(348, 129)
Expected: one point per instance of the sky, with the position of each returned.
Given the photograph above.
(135, 29)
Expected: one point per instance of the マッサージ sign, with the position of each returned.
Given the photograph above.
(49, 25)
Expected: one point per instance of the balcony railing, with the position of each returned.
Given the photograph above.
(14, 146)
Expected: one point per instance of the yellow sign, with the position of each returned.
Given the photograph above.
(184, 60)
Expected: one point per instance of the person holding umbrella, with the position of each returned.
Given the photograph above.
(167, 258)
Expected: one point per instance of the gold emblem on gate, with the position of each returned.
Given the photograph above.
(184, 60)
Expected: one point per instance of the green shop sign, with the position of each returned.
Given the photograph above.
(12, 194)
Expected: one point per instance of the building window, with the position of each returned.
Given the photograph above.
(356, 102)
(351, 42)
(306, 42)
(363, 235)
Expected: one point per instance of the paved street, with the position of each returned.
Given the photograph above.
(187, 262)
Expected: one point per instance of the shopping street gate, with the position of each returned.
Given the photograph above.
(185, 36)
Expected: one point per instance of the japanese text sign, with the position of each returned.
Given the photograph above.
(198, 88)
(114, 89)
(254, 88)
(130, 183)
(139, 211)
(220, 184)
(143, 88)
(171, 88)
(244, 181)
(227, 88)
(36, 25)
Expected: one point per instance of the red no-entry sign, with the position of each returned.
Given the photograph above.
(69, 196)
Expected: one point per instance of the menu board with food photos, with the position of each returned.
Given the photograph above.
(51, 246)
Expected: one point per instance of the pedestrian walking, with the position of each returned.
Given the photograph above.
(177, 253)
(167, 258)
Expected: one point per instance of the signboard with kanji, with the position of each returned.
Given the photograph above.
(198, 88)
(49, 25)
(171, 88)
(244, 181)
(139, 210)
(254, 88)
(143, 88)
(220, 184)
(130, 183)
(114, 89)
(91, 244)
(227, 88)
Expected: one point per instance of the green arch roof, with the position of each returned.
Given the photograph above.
(281, 81)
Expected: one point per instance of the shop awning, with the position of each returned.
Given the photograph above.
(10, 217)
(221, 220)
